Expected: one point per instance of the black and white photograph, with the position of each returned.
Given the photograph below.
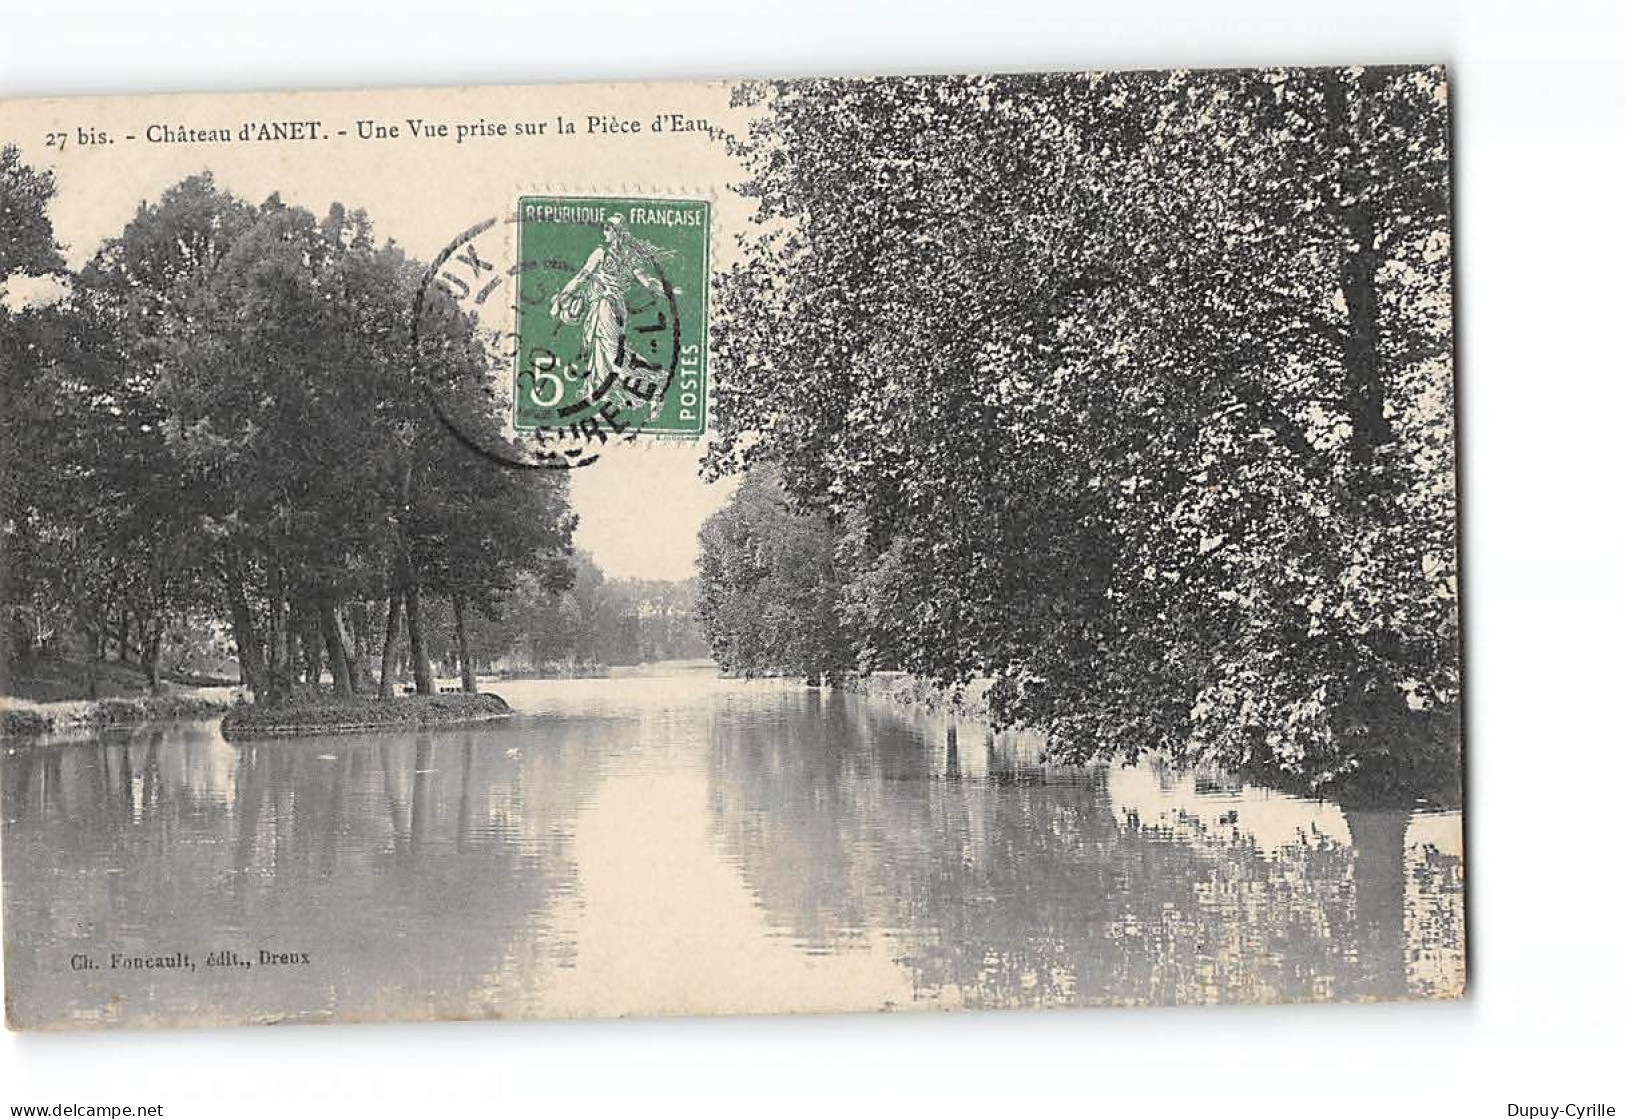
(988, 538)
(1058, 608)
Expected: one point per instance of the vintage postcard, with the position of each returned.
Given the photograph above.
(729, 547)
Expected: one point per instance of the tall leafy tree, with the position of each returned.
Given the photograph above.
(769, 590)
(226, 428)
(28, 339)
(27, 243)
(1132, 391)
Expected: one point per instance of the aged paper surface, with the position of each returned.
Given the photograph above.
(917, 543)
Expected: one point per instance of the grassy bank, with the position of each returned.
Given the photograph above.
(23, 719)
(58, 679)
(329, 715)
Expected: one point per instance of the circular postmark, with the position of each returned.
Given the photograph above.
(590, 327)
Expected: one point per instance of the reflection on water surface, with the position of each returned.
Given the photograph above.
(673, 844)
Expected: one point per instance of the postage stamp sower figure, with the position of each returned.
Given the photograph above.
(611, 314)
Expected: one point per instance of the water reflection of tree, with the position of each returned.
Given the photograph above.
(420, 874)
(1006, 884)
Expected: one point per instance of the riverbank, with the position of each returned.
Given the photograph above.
(58, 679)
(21, 718)
(969, 701)
(330, 715)
(1422, 768)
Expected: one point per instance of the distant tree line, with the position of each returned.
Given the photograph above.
(1129, 391)
(218, 419)
(771, 597)
(585, 621)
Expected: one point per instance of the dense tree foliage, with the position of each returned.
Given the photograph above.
(768, 586)
(572, 620)
(218, 421)
(28, 336)
(1130, 391)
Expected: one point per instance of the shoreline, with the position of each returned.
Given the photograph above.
(24, 720)
(1429, 780)
(967, 701)
(326, 715)
(26, 723)
(1426, 777)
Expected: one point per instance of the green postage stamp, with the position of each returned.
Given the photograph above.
(611, 314)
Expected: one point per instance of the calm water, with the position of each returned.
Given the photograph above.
(664, 844)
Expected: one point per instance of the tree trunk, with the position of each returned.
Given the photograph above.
(362, 648)
(337, 658)
(94, 661)
(422, 675)
(346, 643)
(470, 686)
(290, 644)
(386, 664)
(249, 660)
(276, 635)
(1362, 358)
(310, 637)
(152, 655)
(361, 657)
